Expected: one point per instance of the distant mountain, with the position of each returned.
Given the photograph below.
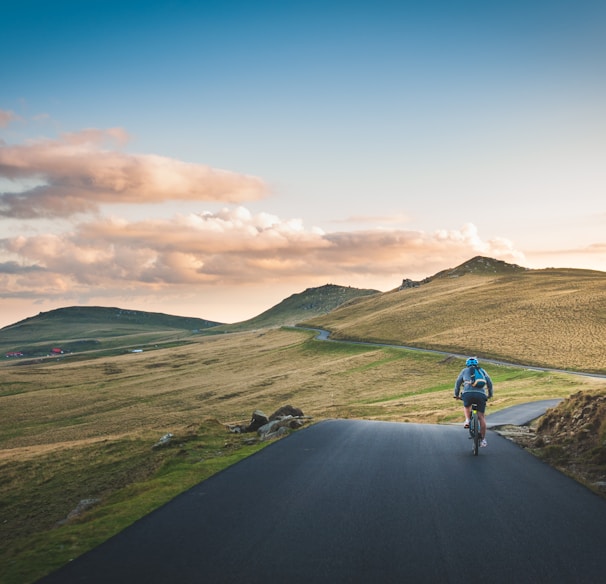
(482, 266)
(478, 265)
(101, 315)
(485, 307)
(79, 328)
(302, 306)
(83, 328)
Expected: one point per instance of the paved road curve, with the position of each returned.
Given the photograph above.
(522, 414)
(358, 501)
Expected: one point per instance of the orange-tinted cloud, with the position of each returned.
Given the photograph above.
(6, 117)
(84, 170)
(232, 247)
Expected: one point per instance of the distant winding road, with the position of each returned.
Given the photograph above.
(324, 335)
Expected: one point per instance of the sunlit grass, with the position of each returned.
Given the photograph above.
(77, 430)
(550, 318)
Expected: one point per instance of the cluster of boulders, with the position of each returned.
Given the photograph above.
(278, 424)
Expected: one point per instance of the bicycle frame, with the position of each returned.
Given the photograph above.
(475, 431)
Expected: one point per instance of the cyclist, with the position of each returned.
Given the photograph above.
(470, 394)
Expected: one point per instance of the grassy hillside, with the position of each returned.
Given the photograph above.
(75, 430)
(302, 306)
(82, 328)
(552, 317)
(84, 428)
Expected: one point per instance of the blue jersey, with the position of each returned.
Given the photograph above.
(463, 383)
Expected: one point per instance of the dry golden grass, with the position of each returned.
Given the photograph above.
(81, 429)
(65, 405)
(551, 318)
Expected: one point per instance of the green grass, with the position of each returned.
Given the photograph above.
(298, 307)
(150, 479)
(84, 429)
(548, 318)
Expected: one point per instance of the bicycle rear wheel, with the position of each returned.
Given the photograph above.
(474, 425)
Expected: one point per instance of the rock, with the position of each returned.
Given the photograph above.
(164, 441)
(268, 428)
(408, 283)
(81, 507)
(279, 427)
(286, 411)
(284, 417)
(258, 419)
(281, 431)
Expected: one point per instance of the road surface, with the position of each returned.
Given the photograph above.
(520, 415)
(347, 501)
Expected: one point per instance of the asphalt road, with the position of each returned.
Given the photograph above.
(348, 501)
(520, 415)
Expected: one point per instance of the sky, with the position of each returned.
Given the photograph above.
(211, 158)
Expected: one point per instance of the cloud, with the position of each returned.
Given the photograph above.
(230, 247)
(16, 268)
(83, 170)
(6, 117)
(390, 219)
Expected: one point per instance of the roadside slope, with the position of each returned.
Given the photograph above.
(551, 318)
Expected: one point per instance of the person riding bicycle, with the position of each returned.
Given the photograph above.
(470, 394)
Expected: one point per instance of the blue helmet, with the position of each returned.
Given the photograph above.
(471, 361)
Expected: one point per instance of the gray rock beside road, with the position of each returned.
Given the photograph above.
(278, 424)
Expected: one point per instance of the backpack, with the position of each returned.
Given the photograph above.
(478, 377)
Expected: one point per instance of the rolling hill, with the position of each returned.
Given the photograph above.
(550, 317)
(84, 428)
(82, 328)
(554, 317)
(302, 306)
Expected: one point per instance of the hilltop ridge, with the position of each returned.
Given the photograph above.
(478, 265)
(481, 265)
(550, 317)
(82, 328)
(302, 306)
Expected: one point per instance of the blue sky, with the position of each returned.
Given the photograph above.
(212, 158)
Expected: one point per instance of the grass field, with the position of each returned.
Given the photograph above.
(550, 318)
(82, 426)
(84, 429)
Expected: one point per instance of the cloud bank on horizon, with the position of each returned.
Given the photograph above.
(78, 174)
(212, 158)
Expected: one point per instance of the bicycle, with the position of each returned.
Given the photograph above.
(475, 430)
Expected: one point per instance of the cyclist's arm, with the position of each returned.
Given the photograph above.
(458, 383)
(489, 385)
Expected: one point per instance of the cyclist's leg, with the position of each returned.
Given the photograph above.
(466, 407)
(482, 420)
(481, 416)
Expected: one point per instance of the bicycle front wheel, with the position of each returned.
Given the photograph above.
(475, 425)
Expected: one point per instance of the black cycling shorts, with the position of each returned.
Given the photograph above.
(470, 397)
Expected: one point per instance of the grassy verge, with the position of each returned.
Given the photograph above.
(80, 430)
(142, 479)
